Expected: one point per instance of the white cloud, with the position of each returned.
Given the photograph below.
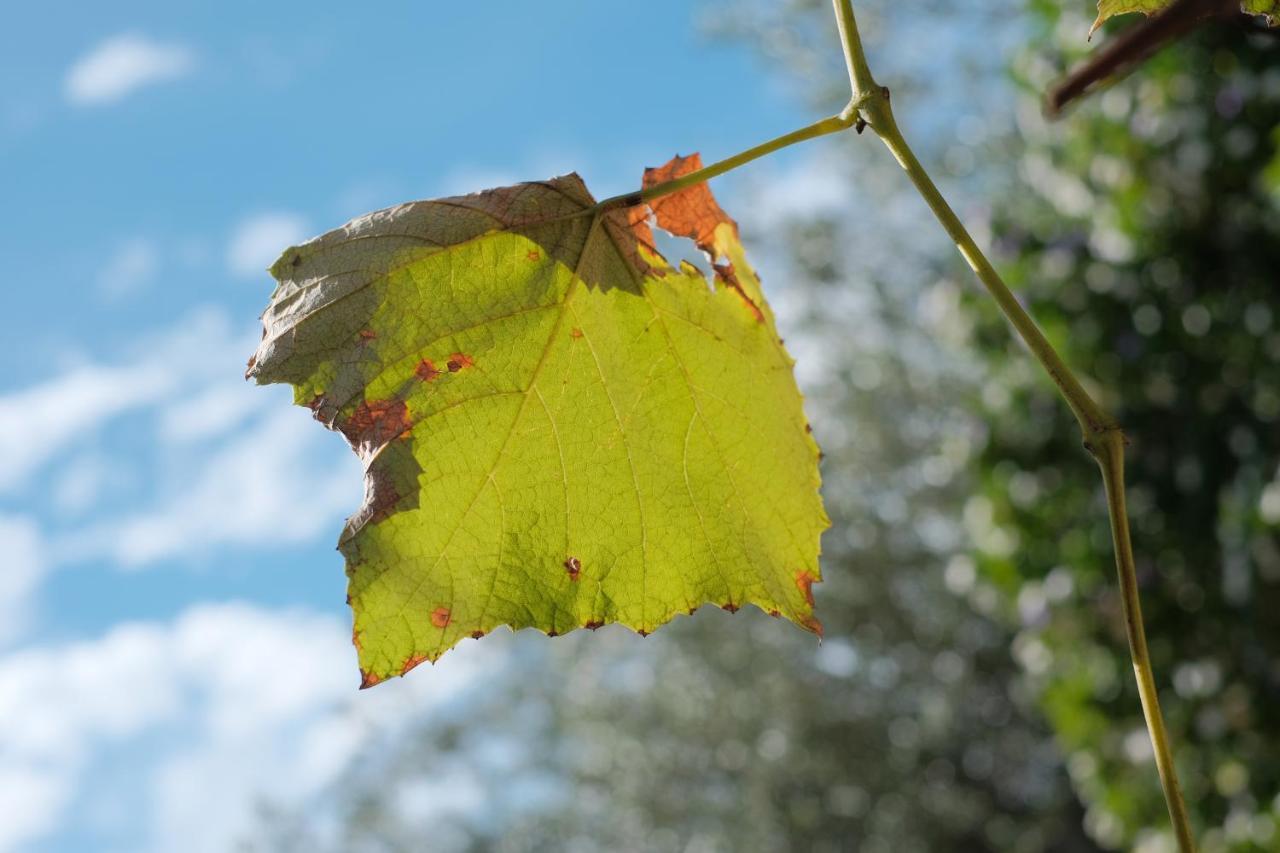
(22, 565)
(130, 269)
(123, 64)
(81, 482)
(199, 719)
(259, 240)
(273, 485)
(210, 412)
(39, 423)
(222, 462)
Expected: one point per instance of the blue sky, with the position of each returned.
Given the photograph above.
(173, 638)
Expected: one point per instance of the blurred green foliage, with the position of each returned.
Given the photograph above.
(1147, 242)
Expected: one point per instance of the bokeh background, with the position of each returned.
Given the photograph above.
(175, 661)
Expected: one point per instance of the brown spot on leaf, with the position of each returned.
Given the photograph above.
(375, 423)
(410, 662)
(574, 567)
(369, 679)
(575, 333)
(726, 276)
(691, 212)
(593, 625)
(730, 606)
(533, 255)
(440, 617)
(805, 580)
(427, 371)
(355, 635)
(476, 635)
(458, 361)
(775, 614)
(367, 335)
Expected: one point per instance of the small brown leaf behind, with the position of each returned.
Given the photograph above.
(692, 212)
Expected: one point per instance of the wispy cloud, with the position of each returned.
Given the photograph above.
(129, 269)
(263, 701)
(23, 566)
(41, 422)
(123, 64)
(258, 240)
(221, 463)
(265, 488)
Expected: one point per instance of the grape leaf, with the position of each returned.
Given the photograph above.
(1108, 9)
(559, 428)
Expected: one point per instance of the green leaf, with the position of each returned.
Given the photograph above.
(559, 428)
(1108, 9)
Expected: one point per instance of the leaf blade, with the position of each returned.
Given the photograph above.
(560, 430)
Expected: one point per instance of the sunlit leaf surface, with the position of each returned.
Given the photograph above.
(559, 428)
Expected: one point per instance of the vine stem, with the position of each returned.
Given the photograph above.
(869, 106)
(845, 119)
(1102, 435)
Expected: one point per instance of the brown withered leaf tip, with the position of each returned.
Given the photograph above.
(476, 635)
(440, 617)
(591, 626)
(369, 679)
(410, 662)
(805, 581)
(458, 361)
(574, 567)
(692, 212)
(642, 632)
(811, 623)
(775, 614)
(427, 371)
(730, 606)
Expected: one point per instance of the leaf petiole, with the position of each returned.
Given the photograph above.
(843, 120)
